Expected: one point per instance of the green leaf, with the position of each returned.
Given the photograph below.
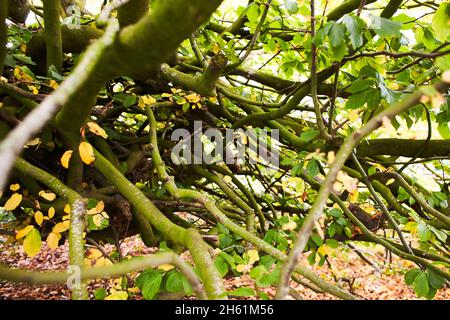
(332, 243)
(435, 280)
(357, 100)
(385, 27)
(420, 285)
(317, 240)
(354, 27)
(243, 292)
(359, 85)
(440, 24)
(423, 232)
(337, 35)
(309, 135)
(174, 282)
(151, 286)
(312, 168)
(411, 275)
(291, 6)
(221, 265)
(100, 294)
(257, 272)
(32, 243)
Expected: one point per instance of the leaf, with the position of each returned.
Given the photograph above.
(151, 286)
(253, 255)
(420, 285)
(60, 227)
(337, 35)
(38, 217)
(440, 23)
(423, 232)
(32, 243)
(385, 27)
(312, 168)
(243, 292)
(354, 27)
(96, 129)
(309, 135)
(51, 212)
(23, 232)
(86, 152)
(221, 265)
(435, 280)
(52, 240)
(100, 294)
(13, 202)
(174, 282)
(117, 295)
(49, 196)
(291, 6)
(165, 267)
(14, 187)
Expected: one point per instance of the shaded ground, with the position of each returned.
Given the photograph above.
(345, 266)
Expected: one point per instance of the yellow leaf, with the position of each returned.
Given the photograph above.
(353, 197)
(23, 232)
(97, 219)
(60, 227)
(100, 206)
(181, 101)
(66, 223)
(253, 255)
(240, 267)
(117, 295)
(92, 211)
(390, 181)
(32, 243)
(324, 250)
(353, 115)
(52, 240)
(21, 75)
(166, 95)
(446, 76)
(165, 267)
(13, 202)
(175, 91)
(67, 208)
(86, 152)
(193, 98)
(66, 217)
(51, 212)
(216, 48)
(65, 159)
(53, 84)
(33, 89)
(14, 187)
(104, 215)
(96, 129)
(49, 196)
(102, 262)
(94, 253)
(38, 217)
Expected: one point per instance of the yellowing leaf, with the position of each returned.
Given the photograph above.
(65, 159)
(165, 267)
(166, 95)
(289, 226)
(146, 101)
(97, 219)
(181, 101)
(53, 84)
(216, 48)
(240, 267)
(324, 250)
(49, 196)
(67, 208)
(94, 253)
(253, 255)
(13, 202)
(52, 240)
(38, 217)
(92, 211)
(14, 187)
(390, 181)
(86, 152)
(193, 98)
(175, 91)
(100, 206)
(117, 295)
(51, 212)
(32, 243)
(96, 129)
(23, 232)
(102, 262)
(60, 227)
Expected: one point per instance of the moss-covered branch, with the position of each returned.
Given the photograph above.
(204, 84)
(3, 32)
(53, 37)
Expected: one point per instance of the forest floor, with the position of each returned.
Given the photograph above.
(345, 266)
